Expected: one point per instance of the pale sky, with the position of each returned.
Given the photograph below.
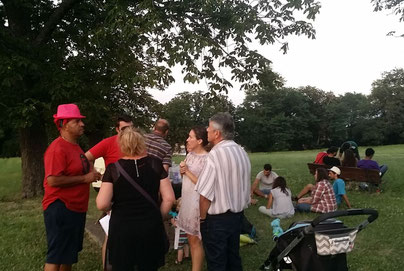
(350, 51)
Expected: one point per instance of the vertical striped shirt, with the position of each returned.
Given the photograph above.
(225, 178)
(159, 148)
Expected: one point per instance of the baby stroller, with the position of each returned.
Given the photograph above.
(320, 244)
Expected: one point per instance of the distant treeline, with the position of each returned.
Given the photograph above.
(272, 117)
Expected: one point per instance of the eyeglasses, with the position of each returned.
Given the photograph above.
(85, 163)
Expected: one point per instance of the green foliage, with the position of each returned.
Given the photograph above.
(70, 64)
(319, 125)
(396, 6)
(388, 100)
(103, 55)
(186, 110)
(347, 114)
(276, 118)
(8, 141)
(203, 36)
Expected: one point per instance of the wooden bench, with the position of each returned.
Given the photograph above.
(351, 173)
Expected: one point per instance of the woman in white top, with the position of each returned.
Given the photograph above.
(188, 216)
(279, 200)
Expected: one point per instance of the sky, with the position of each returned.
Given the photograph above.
(351, 50)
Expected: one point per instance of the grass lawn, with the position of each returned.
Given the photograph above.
(378, 247)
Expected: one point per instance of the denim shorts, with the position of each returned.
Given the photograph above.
(64, 233)
(303, 207)
(266, 191)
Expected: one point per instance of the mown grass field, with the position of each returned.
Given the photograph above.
(378, 247)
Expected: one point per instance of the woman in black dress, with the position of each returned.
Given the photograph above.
(136, 235)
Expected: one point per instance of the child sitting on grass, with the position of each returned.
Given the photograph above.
(279, 200)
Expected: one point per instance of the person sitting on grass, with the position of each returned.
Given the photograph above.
(322, 197)
(265, 179)
(338, 186)
(279, 200)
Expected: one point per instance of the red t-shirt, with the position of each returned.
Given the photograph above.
(319, 158)
(108, 149)
(63, 158)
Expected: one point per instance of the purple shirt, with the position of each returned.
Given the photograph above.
(368, 164)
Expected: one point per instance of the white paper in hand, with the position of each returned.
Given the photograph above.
(105, 223)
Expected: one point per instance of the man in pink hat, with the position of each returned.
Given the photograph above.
(66, 183)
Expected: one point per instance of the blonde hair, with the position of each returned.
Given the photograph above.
(131, 142)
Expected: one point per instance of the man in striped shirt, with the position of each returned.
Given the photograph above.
(224, 188)
(157, 146)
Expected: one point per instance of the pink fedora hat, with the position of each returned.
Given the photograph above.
(68, 111)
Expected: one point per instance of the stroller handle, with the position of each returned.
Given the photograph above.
(373, 214)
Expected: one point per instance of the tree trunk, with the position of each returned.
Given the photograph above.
(33, 143)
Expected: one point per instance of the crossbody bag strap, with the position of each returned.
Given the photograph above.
(136, 185)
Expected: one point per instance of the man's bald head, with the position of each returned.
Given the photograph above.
(161, 127)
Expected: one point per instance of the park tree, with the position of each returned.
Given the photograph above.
(319, 102)
(274, 117)
(387, 97)
(50, 55)
(186, 110)
(346, 114)
(99, 53)
(291, 123)
(254, 113)
(279, 118)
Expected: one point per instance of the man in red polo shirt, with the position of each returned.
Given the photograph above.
(109, 149)
(66, 183)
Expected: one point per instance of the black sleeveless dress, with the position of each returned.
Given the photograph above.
(136, 230)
